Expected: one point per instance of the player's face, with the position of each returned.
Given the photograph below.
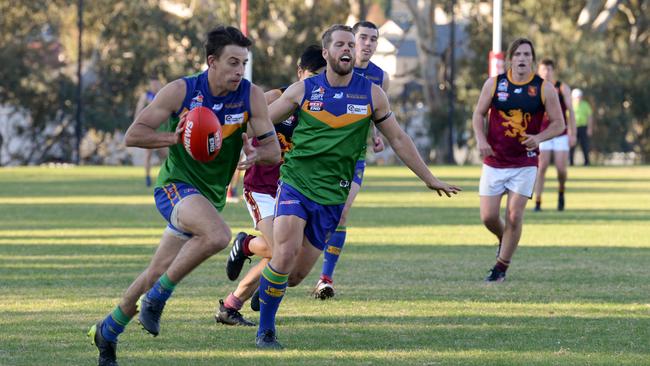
(366, 42)
(522, 59)
(228, 69)
(545, 71)
(340, 54)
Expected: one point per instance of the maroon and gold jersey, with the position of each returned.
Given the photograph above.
(516, 111)
(546, 121)
(264, 178)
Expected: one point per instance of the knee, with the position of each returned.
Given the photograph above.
(515, 217)
(216, 241)
(489, 218)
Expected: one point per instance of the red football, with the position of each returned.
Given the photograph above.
(202, 134)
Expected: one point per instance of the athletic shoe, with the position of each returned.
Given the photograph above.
(268, 340)
(150, 312)
(538, 207)
(236, 258)
(323, 290)
(560, 202)
(255, 301)
(495, 275)
(106, 349)
(147, 181)
(229, 316)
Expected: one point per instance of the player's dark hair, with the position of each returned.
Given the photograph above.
(547, 62)
(221, 36)
(365, 24)
(518, 42)
(327, 36)
(312, 59)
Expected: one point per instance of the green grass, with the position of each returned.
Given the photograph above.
(409, 283)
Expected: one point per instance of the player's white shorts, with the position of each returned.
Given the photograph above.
(558, 143)
(260, 205)
(495, 181)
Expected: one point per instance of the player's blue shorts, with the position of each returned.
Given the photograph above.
(358, 171)
(322, 220)
(168, 196)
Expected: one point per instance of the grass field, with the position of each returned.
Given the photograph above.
(410, 289)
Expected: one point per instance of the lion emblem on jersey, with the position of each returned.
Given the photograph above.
(516, 123)
(284, 144)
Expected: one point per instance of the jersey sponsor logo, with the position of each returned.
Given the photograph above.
(317, 93)
(197, 101)
(289, 202)
(357, 109)
(213, 142)
(235, 105)
(356, 96)
(503, 85)
(217, 107)
(289, 121)
(532, 91)
(234, 119)
(502, 96)
(518, 90)
(344, 184)
(316, 106)
(516, 123)
(372, 77)
(338, 95)
(531, 154)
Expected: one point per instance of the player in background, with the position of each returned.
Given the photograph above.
(260, 187)
(190, 194)
(558, 147)
(336, 111)
(516, 101)
(144, 100)
(366, 35)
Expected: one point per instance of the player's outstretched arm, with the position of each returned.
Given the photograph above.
(268, 151)
(142, 132)
(403, 145)
(283, 107)
(554, 111)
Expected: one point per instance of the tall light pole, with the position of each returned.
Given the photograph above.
(243, 25)
(78, 124)
(496, 57)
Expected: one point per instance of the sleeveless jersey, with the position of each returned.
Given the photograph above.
(375, 74)
(233, 111)
(371, 72)
(333, 124)
(546, 121)
(264, 178)
(517, 110)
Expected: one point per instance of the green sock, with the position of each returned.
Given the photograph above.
(119, 316)
(166, 283)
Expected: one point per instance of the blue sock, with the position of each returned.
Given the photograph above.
(331, 255)
(162, 289)
(272, 287)
(114, 324)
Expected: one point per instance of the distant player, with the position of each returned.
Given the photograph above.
(145, 99)
(260, 187)
(516, 102)
(558, 147)
(336, 110)
(190, 194)
(366, 35)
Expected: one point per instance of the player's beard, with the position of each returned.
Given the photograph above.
(340, 69)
